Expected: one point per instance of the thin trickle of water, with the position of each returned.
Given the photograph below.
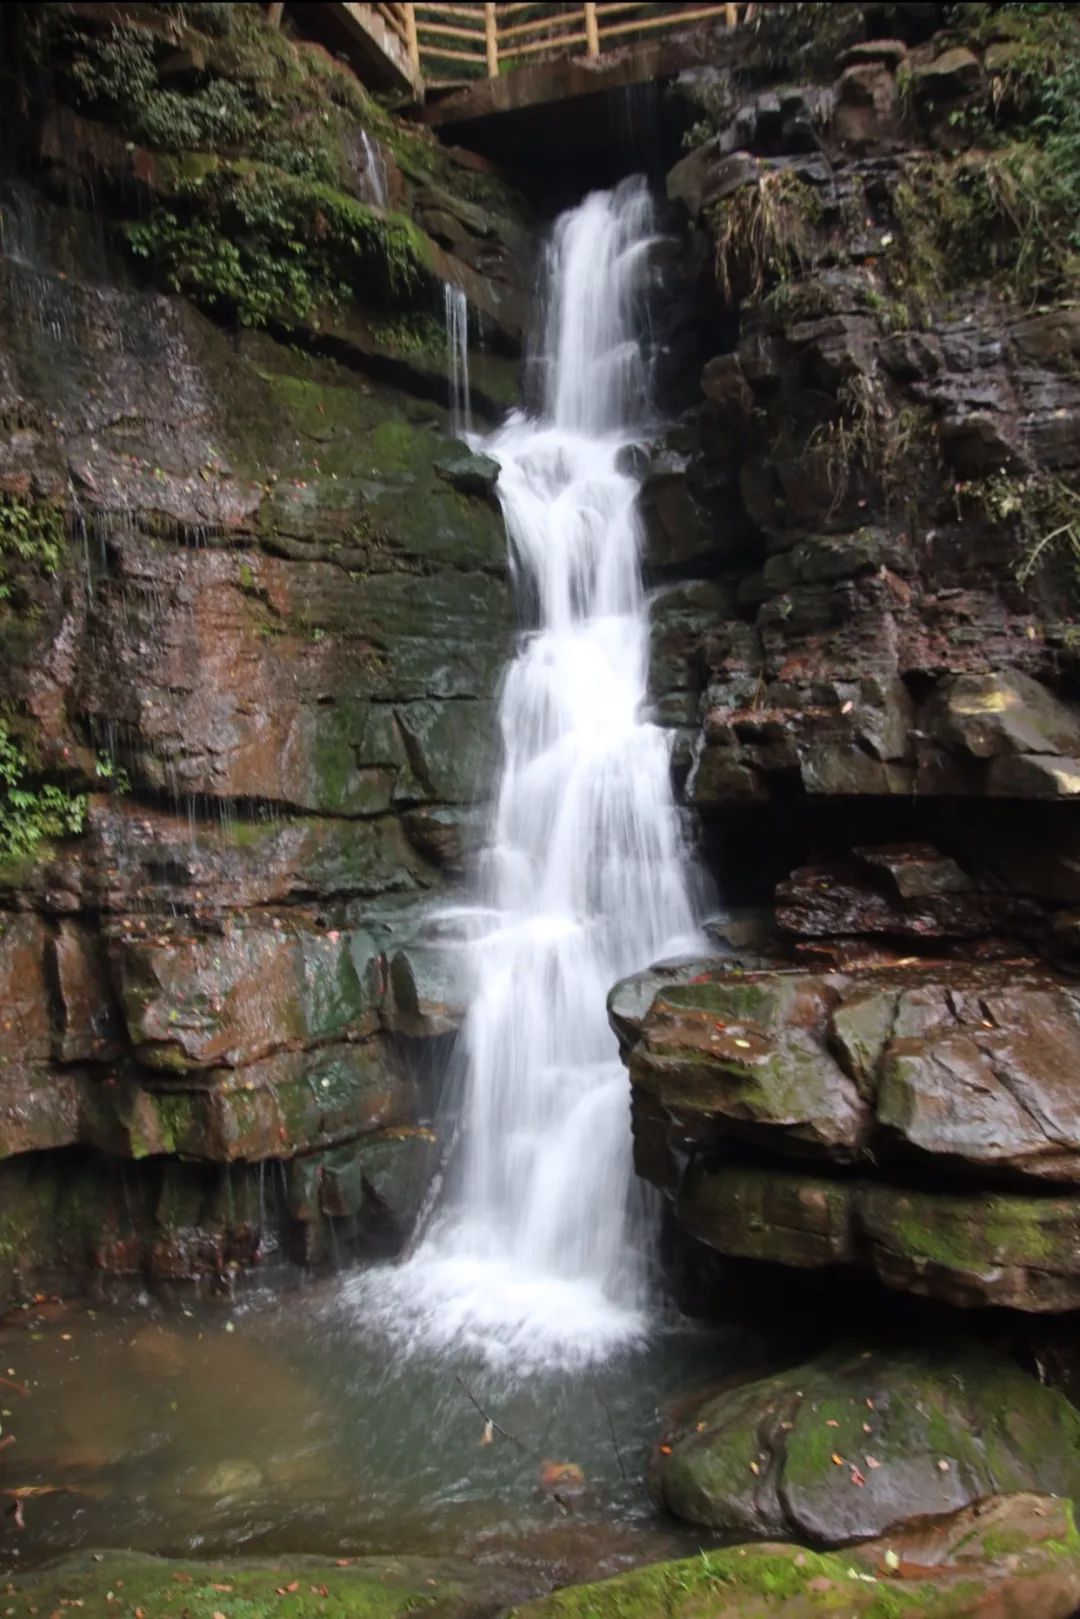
(533, 1257)
(457, 358)
(375, 170)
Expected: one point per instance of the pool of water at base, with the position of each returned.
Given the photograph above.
(282, 1426)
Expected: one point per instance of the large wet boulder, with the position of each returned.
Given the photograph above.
(863, 1440)
(955, 1063)
(1018, 1554)
(884, 1069)
(743, 1051)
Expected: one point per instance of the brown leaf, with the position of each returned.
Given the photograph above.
(287, 1590)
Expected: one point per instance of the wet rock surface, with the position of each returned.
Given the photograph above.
(854, 496)
(253, 609)
(915, 1120)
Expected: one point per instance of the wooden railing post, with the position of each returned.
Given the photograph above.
(412, 39)
(592, 31)
(491, 41)
(276, 12)
(731, 15)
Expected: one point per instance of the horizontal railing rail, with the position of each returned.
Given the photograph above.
(451, 43)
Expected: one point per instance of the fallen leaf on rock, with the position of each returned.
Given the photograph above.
(488, 1435)
(872, 1461)
(665, 1450)
(287, 1590)
(831, 1422)
(837, 1461)
(754, 1468)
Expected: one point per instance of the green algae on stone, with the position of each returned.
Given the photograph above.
(997, 1247)
(856, 1440)
(785, 1218)
(292, 1588)
(1014, 1554)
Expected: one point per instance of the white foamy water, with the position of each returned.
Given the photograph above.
(375, 169)
(456, 310)
(533, 1257)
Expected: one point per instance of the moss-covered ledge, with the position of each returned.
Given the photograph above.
(292, 1588)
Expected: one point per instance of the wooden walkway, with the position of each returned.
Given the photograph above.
(423, 51)
(456, 43)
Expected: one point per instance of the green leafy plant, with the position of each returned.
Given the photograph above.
(271, 246)
(31, 813)
(31, 536)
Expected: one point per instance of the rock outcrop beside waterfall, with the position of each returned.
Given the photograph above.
(251, 633)
(863, 542)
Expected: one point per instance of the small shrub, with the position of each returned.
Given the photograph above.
(764, 233)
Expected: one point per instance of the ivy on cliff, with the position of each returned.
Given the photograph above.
(269, 245)
(31, 536)
(32, 811)
(258, 215)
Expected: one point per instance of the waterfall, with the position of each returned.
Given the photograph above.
(532, 1257)
(375, 170)
(457, 358)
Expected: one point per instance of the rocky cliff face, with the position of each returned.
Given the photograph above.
(864, 538)
(253, 607)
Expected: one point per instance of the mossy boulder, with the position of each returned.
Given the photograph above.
(294, 1588)
(745, 1053)
(863, 1440)
(974, 1248)
(1019, 1554)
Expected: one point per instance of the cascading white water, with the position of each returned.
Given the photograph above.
(456, 308)
(532, 1258)
(375, 167)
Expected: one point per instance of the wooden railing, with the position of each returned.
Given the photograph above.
(401, 20)
(455, 42)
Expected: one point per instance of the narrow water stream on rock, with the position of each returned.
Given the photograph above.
(534, 1256)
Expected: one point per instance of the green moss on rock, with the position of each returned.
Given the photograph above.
(297, 1588)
